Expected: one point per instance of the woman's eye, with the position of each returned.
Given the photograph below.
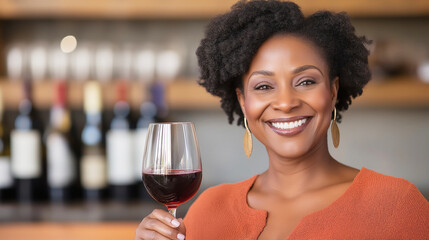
(306, 82)
(262, 87)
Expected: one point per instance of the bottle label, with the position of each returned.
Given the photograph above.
(139, 148)
(93, 171)
(60, 160)
(120, 157)
(6, 180)
(25, 153)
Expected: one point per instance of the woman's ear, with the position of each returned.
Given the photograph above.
(334, 90)
(240, 98)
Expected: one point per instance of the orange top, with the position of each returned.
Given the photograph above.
(375, 206)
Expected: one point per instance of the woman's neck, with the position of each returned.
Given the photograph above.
(291, 177)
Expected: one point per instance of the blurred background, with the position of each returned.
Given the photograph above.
(81, 80)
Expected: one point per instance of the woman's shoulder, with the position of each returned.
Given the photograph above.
(390, 193)
(384, 184)
(406, 209)
(376, 206)
(375, 186)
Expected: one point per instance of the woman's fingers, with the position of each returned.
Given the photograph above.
(160, 225)
(153, 224)
(142, 234)
(165, 217)
(182, 227)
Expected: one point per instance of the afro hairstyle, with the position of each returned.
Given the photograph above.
(232, 40)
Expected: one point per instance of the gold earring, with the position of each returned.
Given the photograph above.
(335, 132)
(247, 140)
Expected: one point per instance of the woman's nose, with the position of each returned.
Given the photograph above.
(286, 100)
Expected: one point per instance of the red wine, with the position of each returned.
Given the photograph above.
(173, 188)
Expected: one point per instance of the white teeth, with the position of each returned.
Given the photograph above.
(289, 125)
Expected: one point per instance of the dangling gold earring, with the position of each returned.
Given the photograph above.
(335, 132)
(247, 140)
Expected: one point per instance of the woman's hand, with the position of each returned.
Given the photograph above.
(160, 225)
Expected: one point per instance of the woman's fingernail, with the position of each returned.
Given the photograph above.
(175, 223)
(180, 236)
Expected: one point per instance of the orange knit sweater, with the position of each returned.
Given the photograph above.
(375, 206)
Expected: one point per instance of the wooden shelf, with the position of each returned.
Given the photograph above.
(43, 93)
(144, 9)
(397, 92)
(186, 94)
(53, 230)
(181, 94)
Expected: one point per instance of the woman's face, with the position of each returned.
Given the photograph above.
(287, 96)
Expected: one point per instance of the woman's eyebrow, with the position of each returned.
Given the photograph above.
(261, 72)
(305, 67)
(295, 71)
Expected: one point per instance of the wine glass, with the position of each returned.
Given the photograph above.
(172, 163)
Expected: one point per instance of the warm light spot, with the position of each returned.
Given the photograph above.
(68, 44)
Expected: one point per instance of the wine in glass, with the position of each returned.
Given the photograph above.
(172, 163)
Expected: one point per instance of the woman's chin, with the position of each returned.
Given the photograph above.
(292, 152)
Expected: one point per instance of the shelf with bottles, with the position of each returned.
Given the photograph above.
(123, 42)
(64, 155)
(191, 8)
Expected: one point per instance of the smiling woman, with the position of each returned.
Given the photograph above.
(285, 76)
(296, 90)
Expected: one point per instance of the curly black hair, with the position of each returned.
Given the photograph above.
(233, 39)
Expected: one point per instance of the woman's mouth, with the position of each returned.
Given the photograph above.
(289, 127)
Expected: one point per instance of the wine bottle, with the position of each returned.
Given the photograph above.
(6, 180)
(93, 161)
(119, 149)
(148, 113)
(26, 151)
(61, 162)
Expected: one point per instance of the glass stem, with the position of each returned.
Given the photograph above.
(172, 211)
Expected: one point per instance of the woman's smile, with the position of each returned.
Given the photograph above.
(289, 126)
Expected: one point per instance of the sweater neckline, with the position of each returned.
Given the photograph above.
(262, 214)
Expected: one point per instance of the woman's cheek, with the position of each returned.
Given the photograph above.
(322, 104)
(254, 107)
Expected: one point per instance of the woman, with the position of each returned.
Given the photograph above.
(287, 77)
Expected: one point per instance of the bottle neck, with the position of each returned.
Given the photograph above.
(60, 119)
(92, 132)
(121, 109)
(26, 119)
